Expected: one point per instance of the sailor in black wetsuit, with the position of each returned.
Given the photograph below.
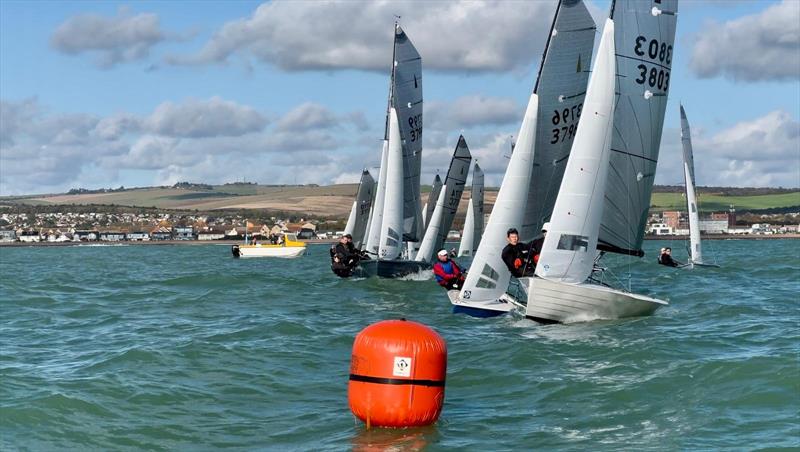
(666, 258)
(344, 256)
(517, 255)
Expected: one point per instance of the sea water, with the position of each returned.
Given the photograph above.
(186, 348)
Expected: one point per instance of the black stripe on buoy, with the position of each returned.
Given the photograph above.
(395, 381)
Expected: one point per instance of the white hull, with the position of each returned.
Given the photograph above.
(553, 301)
(501, 305)
(271, 251)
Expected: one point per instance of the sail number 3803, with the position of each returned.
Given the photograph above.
(661, 54)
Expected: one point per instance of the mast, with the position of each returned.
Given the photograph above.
(544, 52)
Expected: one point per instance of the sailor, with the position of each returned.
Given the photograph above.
(517, 255)
(666, 258)
(447, 272)
(344, 256)
(538, 244)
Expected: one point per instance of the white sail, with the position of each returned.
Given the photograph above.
(362, 206)
(450, 197)
(376, 217)
(468, 235)
(569, 248)
(436, 188)
(696, 252)
(488, 277)
(391, 243)
(426, 249)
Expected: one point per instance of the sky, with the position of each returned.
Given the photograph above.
(103, 94)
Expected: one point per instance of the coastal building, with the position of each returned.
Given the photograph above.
(85, 236)
(161, 233)
(660, 229)
(29, 236)
(112, 236)
(671, 218)
(138, 236)
(183, 233)
(714, 226)
(213, 234)
(8, 236)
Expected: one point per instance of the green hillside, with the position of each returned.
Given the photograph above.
(717, 203)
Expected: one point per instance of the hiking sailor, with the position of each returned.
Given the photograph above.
(447, 272)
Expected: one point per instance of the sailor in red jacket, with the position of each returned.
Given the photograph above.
(447, 272)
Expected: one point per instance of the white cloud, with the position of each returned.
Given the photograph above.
(472, 111)
(307, 116)
(763, 46)
(210, 140)
(482, 35)
(112, 40)
(204, 118)
(763, 152)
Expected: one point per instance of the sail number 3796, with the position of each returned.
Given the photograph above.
(566, 122)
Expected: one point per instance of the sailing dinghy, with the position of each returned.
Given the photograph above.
(396, 224)
(529, 188)
(359, 213)
(695, 249)
(569, 284)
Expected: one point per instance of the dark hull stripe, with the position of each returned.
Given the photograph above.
(395, 381)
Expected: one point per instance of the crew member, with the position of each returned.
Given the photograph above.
(517, 255)
(344, 256)
(538, 244)
(666, 258)
(447, 272)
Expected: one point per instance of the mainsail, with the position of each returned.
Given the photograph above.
(473, 222)
(522, 201)
(359, 214)
(407, 102)
(447, 203)
(561, 87)
(644, 36)
(432, 197)
(695, 251)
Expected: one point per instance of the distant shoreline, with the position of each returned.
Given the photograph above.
(329, 241)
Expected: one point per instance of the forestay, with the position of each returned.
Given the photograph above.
(447, 203)
(407, 101)
(645, 32)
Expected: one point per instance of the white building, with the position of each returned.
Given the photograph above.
(660, 229)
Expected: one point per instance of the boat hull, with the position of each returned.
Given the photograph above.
(389, 268)
(487, 308)
(286, 252)
(556, 302)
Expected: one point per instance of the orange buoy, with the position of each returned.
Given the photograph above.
(397, 374)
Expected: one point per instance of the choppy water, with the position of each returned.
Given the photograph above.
(183, 347)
